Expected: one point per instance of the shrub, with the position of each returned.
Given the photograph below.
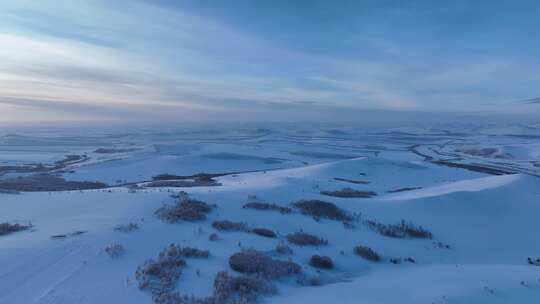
(185, 209)
(533, 261)
(114, 250)
(227, 290)
(226, 225)
(127, 227)
(283, 249)
(240, 289)
(401, 230)
(367, 253)
(267, 206)
(264, 232)
(349, 193)
(159, 276)
(7, 228)
(305, 239)
(321, 209)
(324, 262)
(257, 263)
(213, 237)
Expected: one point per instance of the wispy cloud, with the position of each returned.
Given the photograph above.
(123, 59)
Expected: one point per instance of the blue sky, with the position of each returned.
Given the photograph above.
(232, 60)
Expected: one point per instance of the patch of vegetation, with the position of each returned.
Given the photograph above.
(46, 182)
(352, 181)
(367, 253)
(7, 228)
(226, 225)
(404, 189)
(349, 193)
(213, 237)
(533, 261)
(264, 232)
(114, 250)
(228, 289)
(321, 209)
(267, 206)
(258, 263)
(126, 228)
(160, 276)
(323, 262)
(400, 260)
(185, 209)
(401, 230)
(305, 239)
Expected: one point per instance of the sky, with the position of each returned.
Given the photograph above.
(202, 60)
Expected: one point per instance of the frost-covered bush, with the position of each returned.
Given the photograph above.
(185, 209)
(267, 206)
(321, 209)
(7, 228)
(367, 253)
(401, 230)
(533, 261)
(239, 289)
(160, 275)
(258, 263)
(264, 232)
(305, 239)
(130, 227)
(227, 290)
(226, 225)
(324, 262)
(114, 250)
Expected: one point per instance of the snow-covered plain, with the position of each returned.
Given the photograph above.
(490, 222)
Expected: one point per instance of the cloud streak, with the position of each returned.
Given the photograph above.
(123, 59)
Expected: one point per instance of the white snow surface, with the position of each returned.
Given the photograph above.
(489, 222)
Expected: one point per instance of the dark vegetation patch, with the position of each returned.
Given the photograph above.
(44, 168)
(254, 262)
(321, 209)
(7, 228)
(46, 182)
(352, 181)
(130, 227)
(404, 189)
(324, 155)
(323, 262)
(114, 250)
(349, 193)
(367, 253)
(184, 209)
(476, 168)
(63, 236)
(267, 206)
(533, 261)
(160, 276)
(226, 225)
(264, 232)
(213, 237)
(400, 260)
(197, 180)
(228, 289)
(114, 150)
(305, 239)
(182, 183)
(401, 230)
